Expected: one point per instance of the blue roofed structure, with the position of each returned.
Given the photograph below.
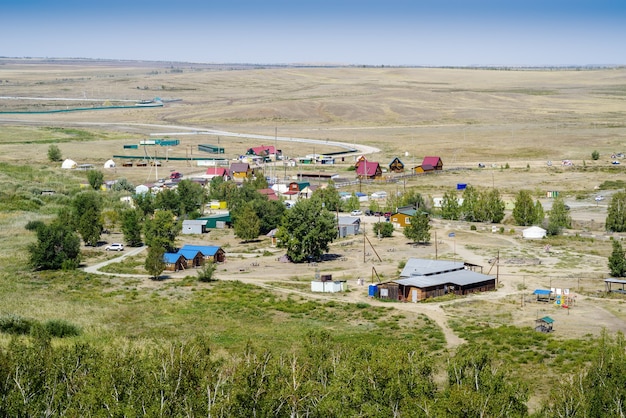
(210, 252)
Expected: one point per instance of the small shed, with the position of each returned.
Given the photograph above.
(194, 226)
(218, 221)
(174, 262)
(534, 232)
(389, 291)
(326, 284)
(545, 324)
(348, 225)
(109, 164)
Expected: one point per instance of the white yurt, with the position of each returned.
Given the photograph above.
(69, 164)
(534, 232)
(141, 189)
(109, 164)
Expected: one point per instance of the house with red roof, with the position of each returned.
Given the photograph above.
(369, 170)
(264, 151)
(434, 163)
(212, 172)
(270, 193)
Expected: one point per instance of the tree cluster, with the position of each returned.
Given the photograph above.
(478, 205)
(321, 378)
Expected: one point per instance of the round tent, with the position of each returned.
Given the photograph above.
(141, 189)
(69, 164)
(534, 232)
(109, 164)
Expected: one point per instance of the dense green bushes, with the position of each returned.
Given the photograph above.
(319, 378)
(17, 325)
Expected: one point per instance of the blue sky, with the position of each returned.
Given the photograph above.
(368, 32)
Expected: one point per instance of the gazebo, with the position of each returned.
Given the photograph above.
(544, 324)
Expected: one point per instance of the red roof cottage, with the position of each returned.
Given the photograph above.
(434, 162)
(369, 170)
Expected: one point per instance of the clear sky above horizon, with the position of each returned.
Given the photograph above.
(366, 32)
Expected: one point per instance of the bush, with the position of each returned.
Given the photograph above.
(15, 324)
(205, 274)
(473, 228)
(34, 225)
(595, 155)
(61, 329)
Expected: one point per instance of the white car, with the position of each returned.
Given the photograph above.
(599, 198)
(356, 213)
(116, 246)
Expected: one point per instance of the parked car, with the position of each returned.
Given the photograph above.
(615, 162)
(368, 213)
(356, 213)
(176, 175)
(599, 198)
(116, 246)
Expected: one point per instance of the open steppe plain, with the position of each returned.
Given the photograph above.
(513, 121)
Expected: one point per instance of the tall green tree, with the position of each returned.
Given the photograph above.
(145, 202)
(248, 225)
(269, 212)
(192, 198)
(489, 207)
(524, 212)
(306, 230)
(419, 228)
(470, 204)
(131, 227)
(330, 196)
(450, 208)
(616, 213)
(95, 179)
(352, 203)
(617, 260)
(414, 199)
(168, 199)
(161, 230)
(154, 263)
(57, 247)
(539, 213)
(87, 212)
(558, 217)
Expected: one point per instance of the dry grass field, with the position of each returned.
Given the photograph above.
(514, 122)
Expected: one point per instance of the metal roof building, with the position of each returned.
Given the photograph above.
(422, 279)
